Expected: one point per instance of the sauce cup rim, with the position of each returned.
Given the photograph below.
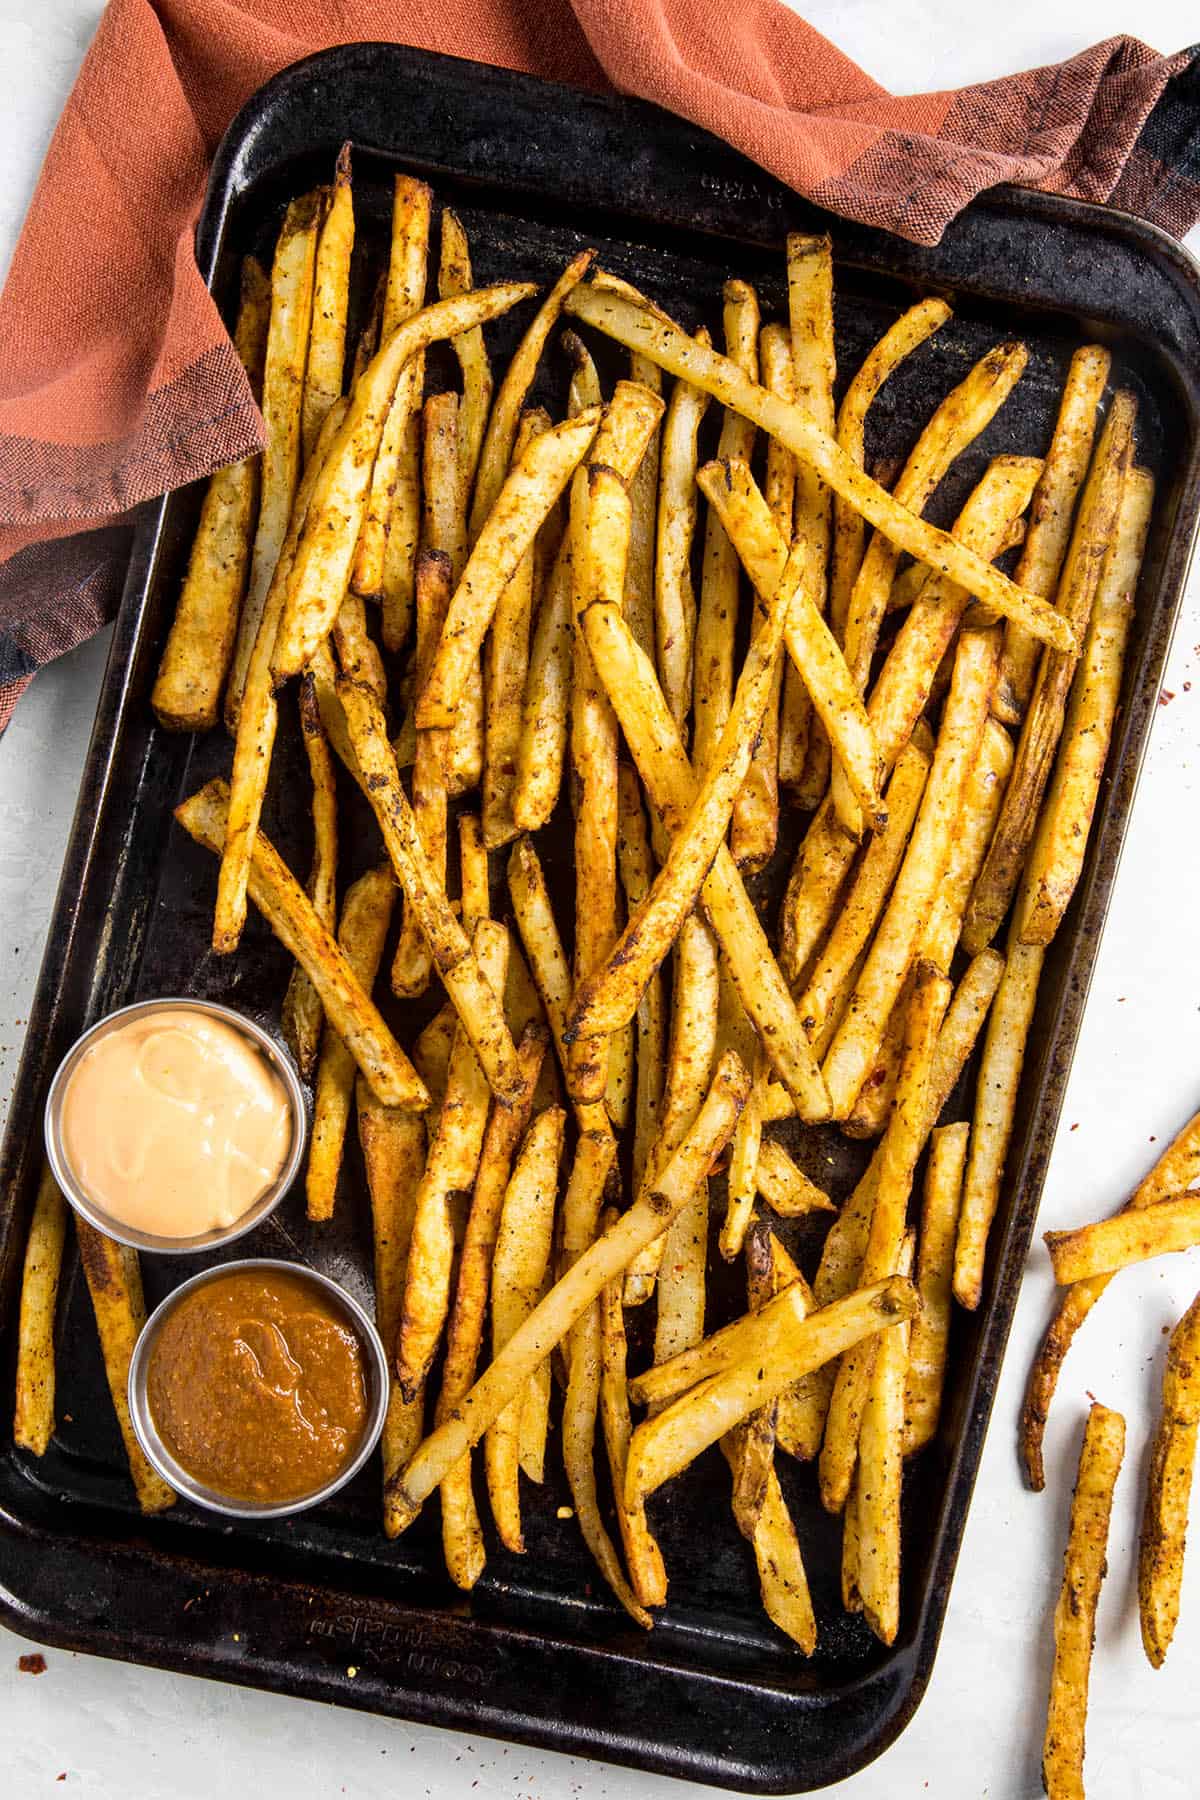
(83, 1202)
(174, 1474)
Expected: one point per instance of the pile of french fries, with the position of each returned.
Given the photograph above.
(543, 612)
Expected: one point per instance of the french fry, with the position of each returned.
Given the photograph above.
(858, 1037)
(639, 329)
(1111, 1244)
(1050, 525)
(519, 1262)
(366, 915)
(358, 655)
(982, 800)
(33, 1413)
(331, 295)
(339, 502)
(865, 900)
(810, 319)
(1084, 1569)
(431, 1052)
(636, 867)
(783, 1582)
(643, 531)
(570, 1297)
(258, 716)
(195, 660)
(897, 701)
(609, 996)
(505, 536)
(654, 743)
(958, 421)
(880, 1476)
(454, 1150)
(114, 1279)
(786, 1188)
(292, 275)
(731, 489)
(930, 1329)
(412, 963)
(392, 503)
(496, 452)
(302, 1015)
(1168, 1490)
(478, 1005)
(750, 1447)
(474, 874)
(909, 332)
(851, 1549)
(289, 913)
(742, 1179)
(505, 668)
(462, 1535)
(643, 1558)
(742, 1341)
(668, 1442)
(546, 708)
(902, 1144)
(716, 615)
(995, 1112)
(1095, 525)
(580, 1408)
(869, 1115)
(674, 596)
(393, 1150)
(455, 277)
(443, 522)
(1175, 1171)
(800, 1409)
(1056, 857)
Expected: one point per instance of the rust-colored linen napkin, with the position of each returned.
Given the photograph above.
(117, 380)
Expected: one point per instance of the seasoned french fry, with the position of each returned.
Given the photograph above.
(366, 915)
(783, 1582)
(750, 1447)
(331, 295)
(674, 597)
(505, 668)
(743, 1341)
(716, 616)
(455, 277)
(995, 1111)
(880, 1475)
(431, 1052)
(742, 1180)
(908, 333)
(643, 532)
(1169, 1489)
(358, 655)
(506, 535)
(639, 329)
(801, 1408)
(1075, 1615)
(647, 1574)
(289, 913)
(935, 1267)
(570, 1297)
(786, 1188)
(258, 715)
(443, 522)
(1111, 1244)
(982, 799)
(292, 275)
(478, 1005)
(580, 1407)
(114, 1279)
(636, 867)
(412, 963)
(462, 1535)
(858, 1037)
(1095, 525)
(668, 1442)
(339, 502)
(519, 1263)
(731, 489)
(865, 900)
(496, 452)
(609, 996)
(302, 1015)
(902, 1144)
(393, 503)
(869, 1115)
(451, 1166)
(1050, 525)
(654, 743)
(958, 421)
(195, 661)
(1056, 857)
(33, 1414)
(393, 1149)
(1176, 1170)
(546, 709)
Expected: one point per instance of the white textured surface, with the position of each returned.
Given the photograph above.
(118, 1731)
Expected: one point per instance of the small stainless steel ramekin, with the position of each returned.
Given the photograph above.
(178, 1477)
(86, 1204)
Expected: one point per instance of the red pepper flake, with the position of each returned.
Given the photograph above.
(1075, 1126)
(32, 1665)
(61, 1777)
(1165, 697)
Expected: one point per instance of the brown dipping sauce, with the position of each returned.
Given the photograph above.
(257, 1386)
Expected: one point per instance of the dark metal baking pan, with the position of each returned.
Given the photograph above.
(321, 1605)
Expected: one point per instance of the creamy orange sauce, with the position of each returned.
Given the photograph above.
(175, 1123)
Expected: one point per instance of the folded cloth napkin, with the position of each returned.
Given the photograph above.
(118, 381)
